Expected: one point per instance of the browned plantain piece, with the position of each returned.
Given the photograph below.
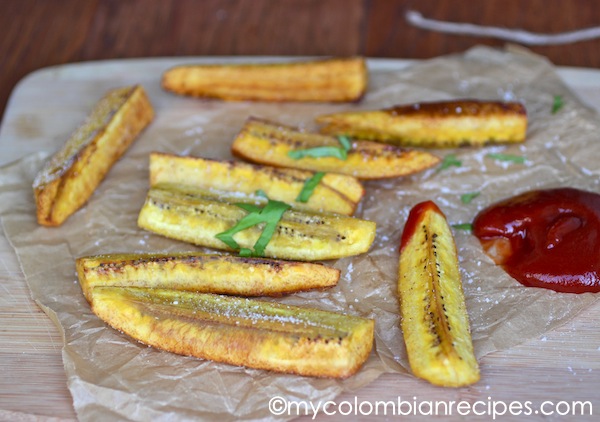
(335, 192)
(306, 236)
(238, 331)
(192, 271)
(330, 80)
(70, 177)
(270, 143)
(435, 323)
(436, 124)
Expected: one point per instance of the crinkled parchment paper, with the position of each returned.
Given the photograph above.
(111, 376)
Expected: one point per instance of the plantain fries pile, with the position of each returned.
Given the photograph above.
(332, 80)
(200, 217)
(434, 316)
(238, 331)
(437, 124)
(335, 192)
(70, 177)
(198, 272)
(296, 206)
(168, 301)
(270, 143)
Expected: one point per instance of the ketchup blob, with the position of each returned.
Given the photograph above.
(545, 238)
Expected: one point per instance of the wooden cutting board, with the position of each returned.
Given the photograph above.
(563, 365)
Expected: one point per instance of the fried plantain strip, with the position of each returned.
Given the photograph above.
(270, 143)
(329, 80)
(435, 323)
(335, 193)
(445, 124)
(198, 218)
(70, 177)
(238, 331)
(193, 271)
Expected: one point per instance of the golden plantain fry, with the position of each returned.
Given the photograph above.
(237, 331)
(304, 236)
(335, 193)
(270, 143)
(70, 177)
(193, 271)
(445, 124)
(330, 80)
(432, 305)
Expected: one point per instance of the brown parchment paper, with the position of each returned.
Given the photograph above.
(111, 376)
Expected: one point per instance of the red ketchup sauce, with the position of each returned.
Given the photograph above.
(545, 238)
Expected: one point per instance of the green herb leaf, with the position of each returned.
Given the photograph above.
(318, 152)
(309, 186)
(261, 193)
(557, 104)
(245, 252)
(463, 226)
(324, 151)
(517, 159)
(269, 214)
(250, 220)
(345, 141)
(449, 161)
(466, 198)
(249, 207)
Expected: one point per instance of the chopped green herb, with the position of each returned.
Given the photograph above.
(318, 152)
(309, 186)
(261, 193)
(345, 141)
(269, 214)
(245, 252)
(468, 197)
(517, 159)
(557, 104)
(249, 207)
(324, 151)
(463, 226)
(449, 161)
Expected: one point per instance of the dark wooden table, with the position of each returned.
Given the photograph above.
(40, 33)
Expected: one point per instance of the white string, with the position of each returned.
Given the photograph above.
(514, 35)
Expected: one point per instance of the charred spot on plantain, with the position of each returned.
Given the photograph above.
(106, 268)
(160, 205)
(304, 219)
(287, 230)
(274, 265)
(198, 210)
(318, 222)
(437, 340)
(276, 173)
(190, 259)
(293, 144)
